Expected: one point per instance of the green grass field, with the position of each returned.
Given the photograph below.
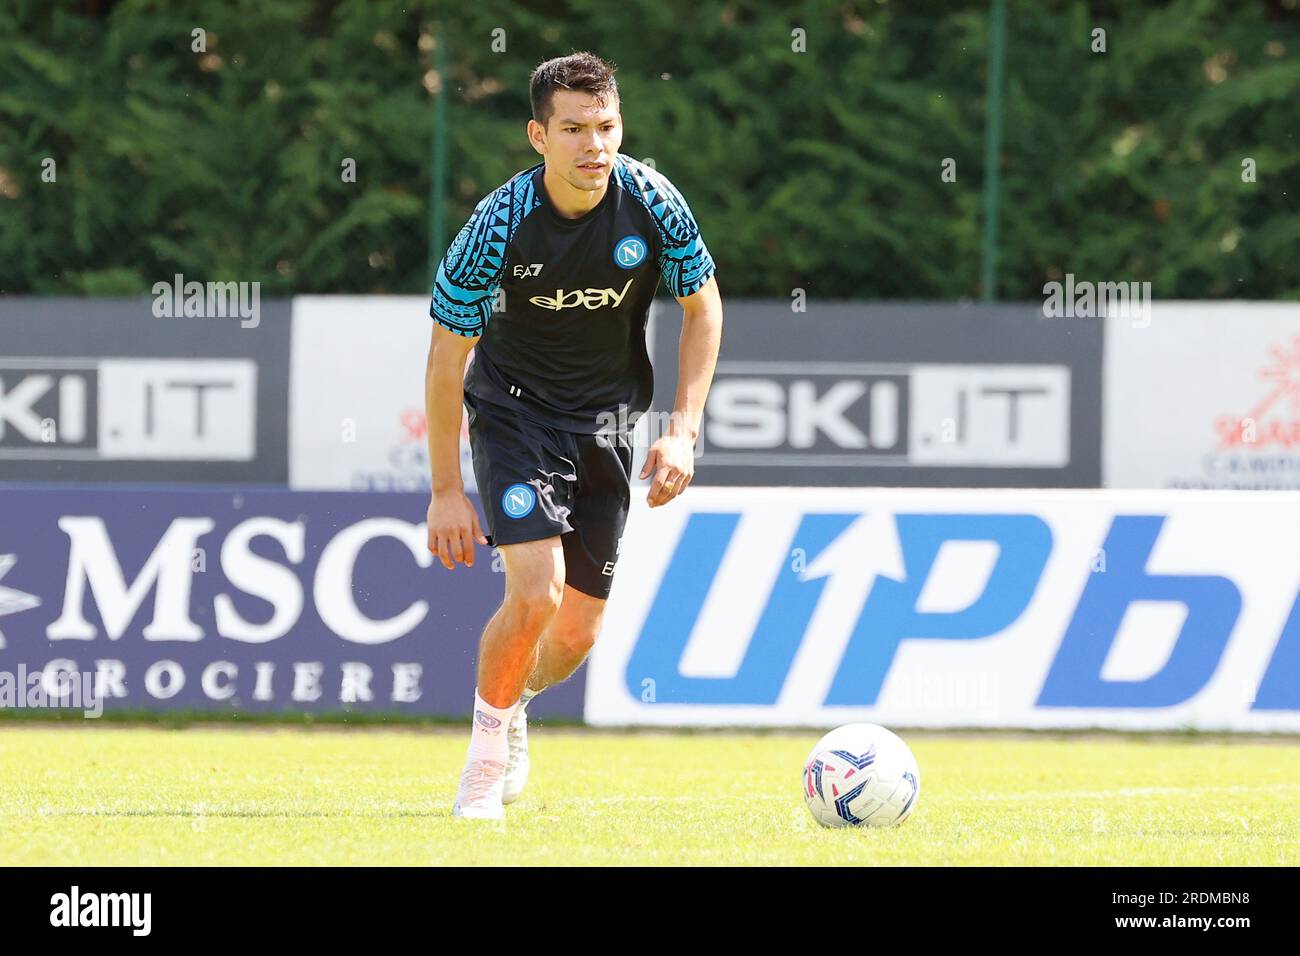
(128, 795)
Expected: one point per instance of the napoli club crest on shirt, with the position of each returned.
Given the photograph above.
(630, 252)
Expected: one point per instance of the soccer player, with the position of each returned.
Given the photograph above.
(578, 244)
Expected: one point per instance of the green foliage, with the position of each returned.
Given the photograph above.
(816, 169)
(1128, 164)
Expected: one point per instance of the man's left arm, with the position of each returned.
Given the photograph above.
(671, 458)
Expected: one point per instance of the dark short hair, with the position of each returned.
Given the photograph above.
(577, 71)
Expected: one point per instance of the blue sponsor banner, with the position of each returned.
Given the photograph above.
(248, 599)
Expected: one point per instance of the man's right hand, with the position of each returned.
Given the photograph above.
(453, 528)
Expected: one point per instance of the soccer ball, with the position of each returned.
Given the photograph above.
(861, 775)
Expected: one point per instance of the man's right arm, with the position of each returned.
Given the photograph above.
(463, 288)
(453, 522)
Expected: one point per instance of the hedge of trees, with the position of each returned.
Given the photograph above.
(810, 138)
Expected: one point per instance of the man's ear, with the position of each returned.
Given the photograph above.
(537, 136)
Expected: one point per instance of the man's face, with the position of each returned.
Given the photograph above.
(581, 138)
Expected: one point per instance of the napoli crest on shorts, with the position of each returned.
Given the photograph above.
(518, 501)
(630, 252)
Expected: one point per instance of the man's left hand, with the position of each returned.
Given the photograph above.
(672, 462)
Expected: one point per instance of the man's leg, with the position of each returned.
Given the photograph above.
(561, 649)
(568, 639)
(590, 552)
(535, 591)
(508, 653)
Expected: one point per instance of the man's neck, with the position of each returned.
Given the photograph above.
(569, 202)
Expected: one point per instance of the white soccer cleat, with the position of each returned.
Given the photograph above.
(517, 762)
(479, 794)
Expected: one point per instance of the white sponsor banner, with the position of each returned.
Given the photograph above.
(166, 409)
(356, 417)
(991, 415)
(1205, 395)
(920, 608)
(969, 415)
(147, 409)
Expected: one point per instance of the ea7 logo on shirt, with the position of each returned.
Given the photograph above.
(522, 271)
(589, 298)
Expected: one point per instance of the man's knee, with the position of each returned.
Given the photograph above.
(534, 582)
(576, 639)
(535, 603)
(578, 622)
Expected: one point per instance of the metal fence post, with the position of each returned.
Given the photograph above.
(993, 147)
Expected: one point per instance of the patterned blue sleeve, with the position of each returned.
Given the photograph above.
(684, 260)
(470, 272)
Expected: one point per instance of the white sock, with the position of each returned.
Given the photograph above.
(488, 739)
(526, 696)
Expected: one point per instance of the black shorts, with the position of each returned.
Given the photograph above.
(536, 482)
